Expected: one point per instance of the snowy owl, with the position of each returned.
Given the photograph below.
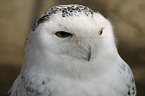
(71, 51)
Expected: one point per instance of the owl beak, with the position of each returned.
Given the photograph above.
(89, 53)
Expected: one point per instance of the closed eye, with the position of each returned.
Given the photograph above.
(63, 34)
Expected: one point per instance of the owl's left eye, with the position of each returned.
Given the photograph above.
(62, 34)
(101, 31)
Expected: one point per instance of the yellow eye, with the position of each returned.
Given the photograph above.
(101, 31)
(63, 34)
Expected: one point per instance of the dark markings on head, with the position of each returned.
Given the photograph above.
(65, 10)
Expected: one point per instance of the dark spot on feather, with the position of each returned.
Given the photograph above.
(43, 82)
(128, 92)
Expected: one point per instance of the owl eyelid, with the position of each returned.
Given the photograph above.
(62, 31)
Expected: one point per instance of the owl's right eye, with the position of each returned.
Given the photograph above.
(63, 34)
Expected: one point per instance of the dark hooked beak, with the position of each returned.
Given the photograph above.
(89, 53)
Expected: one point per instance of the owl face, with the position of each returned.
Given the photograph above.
(75, 31)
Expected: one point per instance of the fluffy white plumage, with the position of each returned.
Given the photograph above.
(71, 51)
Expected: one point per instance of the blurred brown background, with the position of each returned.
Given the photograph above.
(17, 16)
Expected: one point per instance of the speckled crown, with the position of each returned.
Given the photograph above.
(66, 10)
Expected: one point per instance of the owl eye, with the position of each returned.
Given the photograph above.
(62, 34)
(101, 31)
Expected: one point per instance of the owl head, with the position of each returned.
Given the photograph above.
(69, 34)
